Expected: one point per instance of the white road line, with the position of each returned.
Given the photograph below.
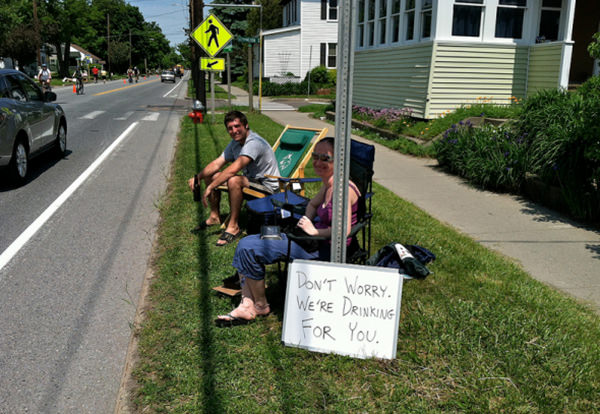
(176, 86)
(33, 228)
(92, 115)
(152, 116)
(125, 116)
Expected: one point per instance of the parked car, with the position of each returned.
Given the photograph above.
(167, 75)
(29, 123)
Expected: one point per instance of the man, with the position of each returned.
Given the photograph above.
(247, 152)
(95, 73)
(78, 76)
(44, 76)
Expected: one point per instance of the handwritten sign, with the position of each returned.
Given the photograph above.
(341, 308)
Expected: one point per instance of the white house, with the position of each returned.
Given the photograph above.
(436, 55)
(307, 39)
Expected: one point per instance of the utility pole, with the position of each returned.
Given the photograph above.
(129, 47)
(108, 43)
(196, 17)
(36, 25)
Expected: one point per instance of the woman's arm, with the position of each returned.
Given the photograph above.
(313, 204)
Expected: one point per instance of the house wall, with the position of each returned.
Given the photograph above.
(314, 32)
(393, 77)
(544, 67)
(282, 53)
(464, 74)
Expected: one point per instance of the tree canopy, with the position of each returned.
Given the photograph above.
(85, 23)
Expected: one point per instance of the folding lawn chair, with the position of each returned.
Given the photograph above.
(292, 150)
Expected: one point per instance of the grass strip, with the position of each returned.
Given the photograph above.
(479, 335)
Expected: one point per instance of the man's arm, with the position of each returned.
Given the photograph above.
(235, 167)
(208, 171)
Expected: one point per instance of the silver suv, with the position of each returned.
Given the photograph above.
(29, 123)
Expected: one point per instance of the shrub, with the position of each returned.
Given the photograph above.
(565, 144)
(492, 157)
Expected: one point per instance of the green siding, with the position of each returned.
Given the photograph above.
(544, 67)
(393, 78)
(464, 74)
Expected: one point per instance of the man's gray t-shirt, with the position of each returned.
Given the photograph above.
(262, 156)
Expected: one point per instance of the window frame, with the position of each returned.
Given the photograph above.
(524, 10)
(361, 24)
(560, 23)
(395, 17)
(382, 26)
(426, 9)
(405, 19)
(481, 5)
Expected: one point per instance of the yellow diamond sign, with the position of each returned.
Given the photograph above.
(212, 64)
(212, 35)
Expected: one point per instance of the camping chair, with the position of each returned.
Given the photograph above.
(292, 151)
(362, 158)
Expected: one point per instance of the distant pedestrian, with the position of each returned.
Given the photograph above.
(95, 73)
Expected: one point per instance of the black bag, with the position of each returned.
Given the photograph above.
(387, 256)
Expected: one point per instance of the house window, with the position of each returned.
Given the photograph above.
(295, 11)
(509, 18)
(331, 55)
(370, 22)
(466, 18)
(409, 19)
(328, 55)
(360, 32)
(426, 19)
(395, 19)
(382, 20)
(549, 21)
(329, 9)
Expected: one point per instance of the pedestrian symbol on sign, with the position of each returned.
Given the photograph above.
(214, 33)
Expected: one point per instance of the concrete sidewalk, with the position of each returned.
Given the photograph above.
(550, 247)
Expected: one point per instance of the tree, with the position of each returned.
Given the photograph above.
(61, 21)
(18, 38)
(594, 47)
(236, 20)
(272, 17)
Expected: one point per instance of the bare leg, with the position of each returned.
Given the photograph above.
(257, 289)
(235, 186)
(254, 301)
(214, 201)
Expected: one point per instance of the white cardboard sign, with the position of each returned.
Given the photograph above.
(342, 308)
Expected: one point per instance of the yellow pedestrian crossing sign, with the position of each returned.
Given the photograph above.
(212, 35)
(212, 64)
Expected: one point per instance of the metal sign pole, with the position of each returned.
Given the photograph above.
(212, 97)
(343, 127)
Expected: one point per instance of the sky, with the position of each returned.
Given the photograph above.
(171, 15)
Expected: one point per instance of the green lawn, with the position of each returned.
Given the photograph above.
(478, 335)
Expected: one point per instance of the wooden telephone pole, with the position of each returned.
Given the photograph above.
(196, 17)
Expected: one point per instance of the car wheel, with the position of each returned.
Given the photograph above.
(60, 145)
(162, 80)
(19, 164)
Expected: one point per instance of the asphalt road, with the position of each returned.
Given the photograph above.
(68, 296)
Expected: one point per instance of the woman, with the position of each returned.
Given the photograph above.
(253, 253)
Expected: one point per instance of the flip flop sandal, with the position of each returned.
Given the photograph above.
(234, 321)
(228, 238)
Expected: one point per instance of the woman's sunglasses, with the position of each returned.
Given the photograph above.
(322, 157)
